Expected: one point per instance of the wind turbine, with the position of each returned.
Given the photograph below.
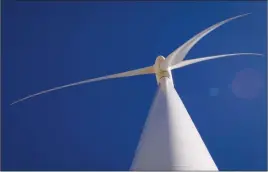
(170, 140)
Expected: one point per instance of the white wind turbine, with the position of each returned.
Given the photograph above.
(170, 140)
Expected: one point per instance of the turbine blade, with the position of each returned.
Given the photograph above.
(141, 71)
(197, 60)
(179, 54)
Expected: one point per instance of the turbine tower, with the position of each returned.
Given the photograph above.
(170, 140)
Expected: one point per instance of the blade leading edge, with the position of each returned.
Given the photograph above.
(179, 54)
(197, 60)
(141, 71)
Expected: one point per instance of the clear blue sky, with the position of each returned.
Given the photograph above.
(97, 126)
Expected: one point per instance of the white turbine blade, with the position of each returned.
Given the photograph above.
(197, 60)
(142, 71)
(180, 53)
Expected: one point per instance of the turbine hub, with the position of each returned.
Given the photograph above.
(160, 72)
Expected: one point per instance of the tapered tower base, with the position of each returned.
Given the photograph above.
(170, 140)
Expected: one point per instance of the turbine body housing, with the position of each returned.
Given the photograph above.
(161, 72)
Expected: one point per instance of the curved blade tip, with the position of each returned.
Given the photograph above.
(13, 103)
(257, 54)
(241, 15)
(254, 54)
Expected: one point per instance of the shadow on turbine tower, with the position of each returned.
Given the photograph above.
(170, 140)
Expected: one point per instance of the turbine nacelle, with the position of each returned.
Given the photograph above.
(160, 71)
(160, 59)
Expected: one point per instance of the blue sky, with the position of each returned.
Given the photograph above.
(97, 126)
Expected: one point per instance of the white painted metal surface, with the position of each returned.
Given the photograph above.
(170, 140)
